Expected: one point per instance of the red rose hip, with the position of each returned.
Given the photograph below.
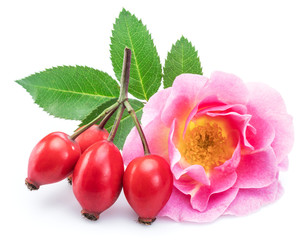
(91, 136)
(148, 184)
(52, 160)
(88, 138)
(97, 178)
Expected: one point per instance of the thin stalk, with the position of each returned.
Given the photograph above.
(107, 113)
(106, 118)
(97, 119)
(123, 94)
(138, 126)
(124, 81)
(116, 122)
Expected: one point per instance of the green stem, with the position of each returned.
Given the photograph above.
(138, 126)
(124, 81)
(123, 94)
(98, 118)
(106, 118)
(116, 122)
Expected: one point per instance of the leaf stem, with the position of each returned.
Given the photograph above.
(106, 118)
(98, 118)
(138, 126)
(124, 81)
(123, 94)
(116, 122)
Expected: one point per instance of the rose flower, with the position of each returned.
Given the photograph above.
(225, 141)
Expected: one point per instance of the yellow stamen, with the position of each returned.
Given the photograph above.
(206, 143)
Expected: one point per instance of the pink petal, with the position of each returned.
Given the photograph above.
(199, 200)
(193, 179)
(179, 208)
(265, 100)
(200, 193)
(227, 87)
(264, 134)
(257, 170)
(268, 104)
(183, 97)
(186, 184)
(238, 108)
(153, 107)
(250, 200)
(205, 108)
(284, 164)
(239, 122)
(231, 164)
(284, 136)
(219, 183)
(196, 172)
(222, 181)
(174, 154)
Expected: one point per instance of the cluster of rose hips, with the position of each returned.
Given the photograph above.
(95, 166)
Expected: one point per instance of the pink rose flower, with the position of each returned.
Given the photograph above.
(226, 142)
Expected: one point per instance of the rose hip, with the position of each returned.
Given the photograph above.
(91, 136)
(97, 178)
(88, 138)
(52, 160)
(148, 184)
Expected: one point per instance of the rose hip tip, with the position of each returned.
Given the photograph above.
(69, 180)
(90, 216)
(146, 221)
(30, 185)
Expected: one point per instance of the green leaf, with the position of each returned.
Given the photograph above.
(182, 58)
(70, 92)
(146, 70)
(92, 115)
(126, 122)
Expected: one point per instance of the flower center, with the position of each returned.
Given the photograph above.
(206, 143)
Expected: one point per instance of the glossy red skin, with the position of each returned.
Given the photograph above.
(148, 184)
(91, 136)
(97, 177)
(52, 159)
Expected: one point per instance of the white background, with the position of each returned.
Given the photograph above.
(257, 40)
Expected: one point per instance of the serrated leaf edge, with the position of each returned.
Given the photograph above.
(127, 13)
(182, 38)
(19, 82)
